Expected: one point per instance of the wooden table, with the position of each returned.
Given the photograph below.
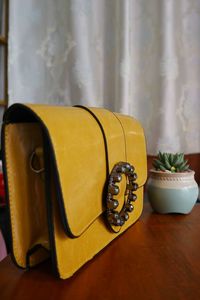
(157, 258)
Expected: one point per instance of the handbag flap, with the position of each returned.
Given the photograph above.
(81, 162)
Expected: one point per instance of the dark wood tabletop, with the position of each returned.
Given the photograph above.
(157, 258)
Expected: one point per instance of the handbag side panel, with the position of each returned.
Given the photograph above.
(29, 240)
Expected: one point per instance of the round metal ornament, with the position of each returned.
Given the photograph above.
(114, 217)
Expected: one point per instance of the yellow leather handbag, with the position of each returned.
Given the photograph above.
(74, 178)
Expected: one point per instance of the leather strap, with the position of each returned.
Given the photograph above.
(103, 134)
(110, 125)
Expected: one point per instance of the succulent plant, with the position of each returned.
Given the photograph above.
(169, 162)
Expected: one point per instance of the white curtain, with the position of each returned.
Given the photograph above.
(136, 57)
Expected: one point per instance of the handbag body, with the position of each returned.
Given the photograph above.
(74, 180)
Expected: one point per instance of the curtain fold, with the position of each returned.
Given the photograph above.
(141, 58)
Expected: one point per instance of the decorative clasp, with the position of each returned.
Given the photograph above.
(114, 217)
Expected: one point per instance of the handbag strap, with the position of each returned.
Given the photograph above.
(103, 134)
(107, 126)
(111, 126)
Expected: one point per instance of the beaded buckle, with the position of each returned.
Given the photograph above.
(114, 217)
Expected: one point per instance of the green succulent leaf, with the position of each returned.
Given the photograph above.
(166, 161)
(182, 164)
(174, 159)
(185, 168)
(157, 163)
(162, 168)
(171, 162)
(160, 155)
(171, 159)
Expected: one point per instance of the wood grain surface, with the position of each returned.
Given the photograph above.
(157, 258)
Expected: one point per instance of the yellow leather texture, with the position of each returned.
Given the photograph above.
(78, 145)
(27, 203)
(79, 151)
(71, 254)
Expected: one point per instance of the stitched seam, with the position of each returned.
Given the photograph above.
(103, 134)
(125, 145)
(10, 197)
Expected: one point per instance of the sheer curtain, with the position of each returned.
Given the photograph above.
(137, 57)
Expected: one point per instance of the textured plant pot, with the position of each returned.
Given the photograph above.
(172, 192)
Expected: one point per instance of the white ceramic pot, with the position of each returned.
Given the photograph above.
(172, 192)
